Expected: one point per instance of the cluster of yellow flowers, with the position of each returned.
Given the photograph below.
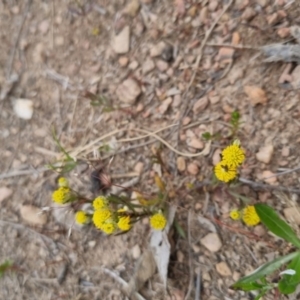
(232, 157)
(248, 215)
(103, 216)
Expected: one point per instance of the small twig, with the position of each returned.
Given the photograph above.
(262, 186)
(240, 47)
(190, 288)
(282, 173)
(121, 281)
(13, 53)
(198, 286)
(23, 172)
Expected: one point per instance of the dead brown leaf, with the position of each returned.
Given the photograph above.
(256, 94)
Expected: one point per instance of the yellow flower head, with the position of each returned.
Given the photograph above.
(124, 223)
(100, 216)
(61, 195)
(224, 172)
(233, 155)
(158, 221)
(100, 202)
(249, 216)
(109, 227)
(235, 214)
(81, 217)
(63, 182)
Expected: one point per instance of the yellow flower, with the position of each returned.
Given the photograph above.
(63, 182)
(124, 223)
(158, 221)
(224, 172)
(61, 195)
(235, 214)
(100, 216)
(100, 202)
(109, 227)
(233, 155)
(249, 216)
(81, 217)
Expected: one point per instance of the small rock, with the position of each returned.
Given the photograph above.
(223, 269)
(265, 176)
(200, 105)
(273, 18)
(15, 10)
(255, 94)
(284, 32)
(148, 66)
(39, 53)
(136, 251)
(265, 154)
(59, 40)
(203, 14)
(262, 3)
(158, 49)
(162, 65)
(167, 54)
(248, 14)
(23, 108)
(181, 164)
(216, 156)
(186, 121)
(92, 244)
(165, 105)
(123, 61)
(225, 53)
(5, 192)
(177, 101)
(259, 230)
(292, 214)
(132, 8)
(236, 276)
(213, 4)
(121, 42)
(133, 65)
(44, 26)
(33, 215)
(128, 91)
(212, 242)
(139, 167)
(285, 151)
(195, 143)
(180, 256)
(193, 168)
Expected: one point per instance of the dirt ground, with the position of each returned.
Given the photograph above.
(152, 63)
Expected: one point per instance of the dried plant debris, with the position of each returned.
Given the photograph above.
(286, 53)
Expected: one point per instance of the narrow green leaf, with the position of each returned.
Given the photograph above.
(179, 229)
(249, 286)
(61, 148)
(4, 267)
(276, 225)
(288, 283)
(264, 270)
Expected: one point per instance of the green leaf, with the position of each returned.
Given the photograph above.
(61, 148)
(288, 283)
(276, 225)
(179, 229)
(264, 270)
(251, 286)
(207, 136)
(4, 267)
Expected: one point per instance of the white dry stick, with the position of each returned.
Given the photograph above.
(121, 281)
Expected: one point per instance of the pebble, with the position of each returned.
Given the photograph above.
(180, 256)
(216, 157)
(59, 40)
(23, 108)
(148, 66)
(262, 3)
(161, 65)
(260, 230)
(33, 215)
(248, 14)
(195, 143)
(223, 269)
(132, 8)
(265, 154)
(128, 91)
(121, 42)
(177, 101)
(211, 242)
(236, 276)
(139, 167)
(225, 53)
(200, 105)
(133, 65)
(158, 49)
(5, 192)
(213, 4)
(266, 174)
(283, 32)
(186, 121)
(165, 105)
(181, 164)
(285, 151)
(92, 244)
(292, 214)
(123, 61)
(193, 168)
(44, 26)
(136, 251)
(255, 94)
